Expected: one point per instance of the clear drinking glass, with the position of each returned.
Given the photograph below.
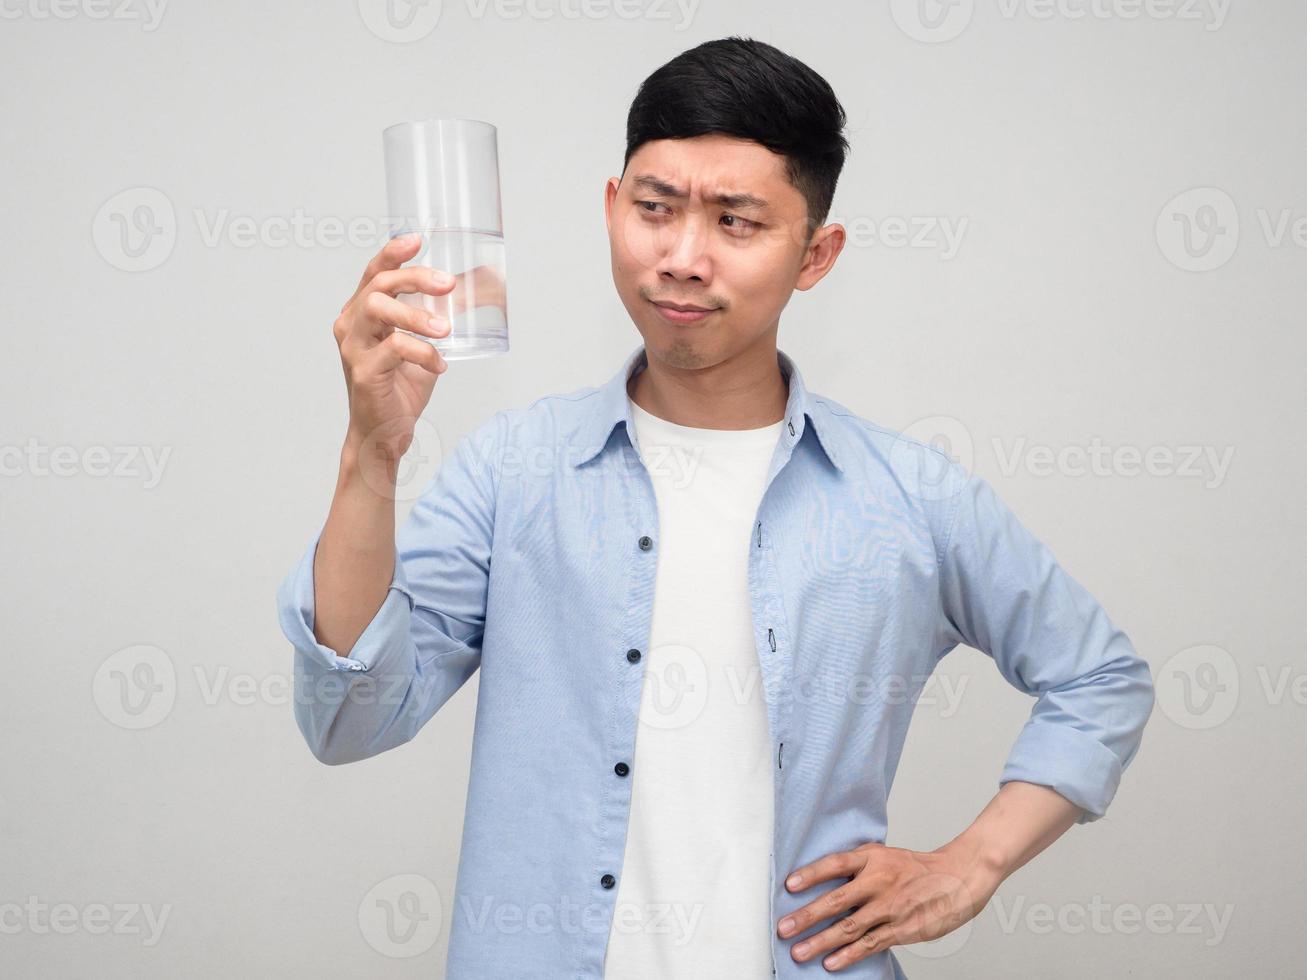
(442, 181)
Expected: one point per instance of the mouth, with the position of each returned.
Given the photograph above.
(683, 313)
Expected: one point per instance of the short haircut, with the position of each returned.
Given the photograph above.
(749, 90)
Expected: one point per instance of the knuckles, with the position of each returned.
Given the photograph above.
(835, 899)
(850, 927)
(340, 329)
(374, 303)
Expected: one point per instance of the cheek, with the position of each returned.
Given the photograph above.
(621, 260)
(636, 245)
(758, 275)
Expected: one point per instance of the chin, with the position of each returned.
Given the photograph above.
(678, 350)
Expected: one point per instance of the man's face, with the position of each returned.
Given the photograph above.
(713, 223)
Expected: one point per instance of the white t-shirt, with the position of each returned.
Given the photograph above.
(693, 897)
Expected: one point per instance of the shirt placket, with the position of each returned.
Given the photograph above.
(770, 636)
(771, 642)
(638, 528)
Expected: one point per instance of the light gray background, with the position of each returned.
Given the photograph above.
(1072, 312)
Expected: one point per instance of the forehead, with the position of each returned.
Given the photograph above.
(715, 164)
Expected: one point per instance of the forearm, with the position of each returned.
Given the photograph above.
(1020, 821)
(355, 559)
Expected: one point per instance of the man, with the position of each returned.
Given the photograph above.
(702, 599)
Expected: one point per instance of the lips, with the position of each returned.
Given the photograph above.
(683, 313)
(684, 307)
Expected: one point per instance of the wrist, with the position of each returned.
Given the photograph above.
(368, 466)
(981, 863)
(351, 451)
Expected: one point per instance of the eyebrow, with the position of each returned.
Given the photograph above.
(663, 188)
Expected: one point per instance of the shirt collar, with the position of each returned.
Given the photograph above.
(612, 406)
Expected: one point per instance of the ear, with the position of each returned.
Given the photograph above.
(825, 247)
(610, 194)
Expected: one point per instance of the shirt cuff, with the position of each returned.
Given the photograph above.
(296, 611)
(1069, 761)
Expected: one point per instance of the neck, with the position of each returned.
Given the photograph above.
(745, 391)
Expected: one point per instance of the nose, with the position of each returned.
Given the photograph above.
(686, 256)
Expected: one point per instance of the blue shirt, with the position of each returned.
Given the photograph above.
(532, 556)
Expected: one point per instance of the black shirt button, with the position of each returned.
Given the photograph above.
(608, 881)
(633, 655)
(621, 769)
(646, 543)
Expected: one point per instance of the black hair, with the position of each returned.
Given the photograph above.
(750, 90)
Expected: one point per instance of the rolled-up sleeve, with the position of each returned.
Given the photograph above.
(424, 642)
(1003, 593)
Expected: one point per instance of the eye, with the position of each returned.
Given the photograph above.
(648, 206)
(739, 224)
